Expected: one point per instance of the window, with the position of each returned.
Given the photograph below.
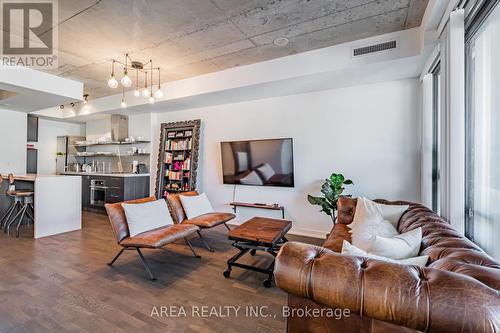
(483, 131)
(436, 142)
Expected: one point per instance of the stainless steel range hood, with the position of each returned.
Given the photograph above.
(119, 127)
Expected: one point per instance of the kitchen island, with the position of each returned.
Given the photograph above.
(57, 202)
(99, 189)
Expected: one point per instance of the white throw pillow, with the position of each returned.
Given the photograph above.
(366, 209)
(366, 233)
(402, 246)
(266, 171)
(368, 222)
(348, 249)
(251, 179)
(142, 217)
(196, 205)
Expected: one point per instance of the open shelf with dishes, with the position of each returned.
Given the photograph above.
(178, 158)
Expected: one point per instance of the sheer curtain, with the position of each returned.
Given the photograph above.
(483, 86)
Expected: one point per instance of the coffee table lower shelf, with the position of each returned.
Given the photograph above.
(253, 247)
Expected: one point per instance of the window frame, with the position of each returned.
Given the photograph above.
(477, 12)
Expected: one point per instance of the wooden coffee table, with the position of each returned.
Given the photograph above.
(258, 234)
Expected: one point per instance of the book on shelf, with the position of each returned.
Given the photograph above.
(186, 165)
(174, 175)
(178, 144)
(168, 157)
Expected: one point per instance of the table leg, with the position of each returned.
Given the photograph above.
(233, 259)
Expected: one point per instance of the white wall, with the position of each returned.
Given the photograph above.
(48, 131)
(13, 142)
(369, 133)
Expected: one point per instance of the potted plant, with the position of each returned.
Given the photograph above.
(331, 189)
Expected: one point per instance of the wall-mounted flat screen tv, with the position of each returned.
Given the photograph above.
(258, 162)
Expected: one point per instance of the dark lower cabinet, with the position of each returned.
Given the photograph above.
(85, 191)
(98, 190)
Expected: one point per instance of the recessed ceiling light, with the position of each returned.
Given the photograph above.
(281, 41)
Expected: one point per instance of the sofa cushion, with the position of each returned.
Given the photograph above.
(401, 246)
(142, 217)
(196, 205)
(367, 210)
(440, 240)
(161, 236)
(210, 220)
(348, 249)
(368, 223)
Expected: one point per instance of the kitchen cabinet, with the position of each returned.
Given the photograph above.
(85, 191)
(100, 189)
(32, 131)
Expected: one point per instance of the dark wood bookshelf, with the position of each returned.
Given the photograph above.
(178, 158)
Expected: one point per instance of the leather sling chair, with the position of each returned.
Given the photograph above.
(205, 221)
(154, 239)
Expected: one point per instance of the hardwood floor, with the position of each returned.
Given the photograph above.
(62, 284)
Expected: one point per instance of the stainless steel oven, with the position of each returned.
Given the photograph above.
(98, 192)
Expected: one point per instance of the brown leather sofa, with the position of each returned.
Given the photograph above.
(154, 239)
(206, 221)
(458, 290)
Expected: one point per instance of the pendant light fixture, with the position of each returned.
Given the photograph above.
(151, 98)
(123, 104)
(145, 90)
(137, 92)
(126, 81)
(112, 82)
(158, 92)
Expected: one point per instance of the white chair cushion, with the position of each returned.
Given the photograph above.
(196, 205)
(348, 249)
(142, 217)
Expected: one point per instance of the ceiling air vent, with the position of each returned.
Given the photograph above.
(374, 48)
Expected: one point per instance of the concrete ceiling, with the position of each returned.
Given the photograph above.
(187, 38)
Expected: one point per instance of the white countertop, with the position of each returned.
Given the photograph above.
(31, 177)
(105, 174)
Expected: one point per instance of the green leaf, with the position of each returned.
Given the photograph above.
(348, 182)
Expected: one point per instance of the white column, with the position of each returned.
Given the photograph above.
(453, 131)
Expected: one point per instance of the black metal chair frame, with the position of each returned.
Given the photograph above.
(209, 248)
(143, 260)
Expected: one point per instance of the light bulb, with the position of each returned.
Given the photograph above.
(145, 92)
(158, 93)
(112, 83)
(123, 104)
(126, 81)
(137, 93)
(151, 100)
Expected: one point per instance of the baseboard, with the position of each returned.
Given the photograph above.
(313, 233)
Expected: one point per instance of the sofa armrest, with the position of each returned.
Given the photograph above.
(424, 299)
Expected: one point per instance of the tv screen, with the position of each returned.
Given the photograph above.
(258, 162)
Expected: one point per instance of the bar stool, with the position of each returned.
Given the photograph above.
(24, 200)
(23, 203)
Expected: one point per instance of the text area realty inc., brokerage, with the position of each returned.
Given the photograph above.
(256, 311)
